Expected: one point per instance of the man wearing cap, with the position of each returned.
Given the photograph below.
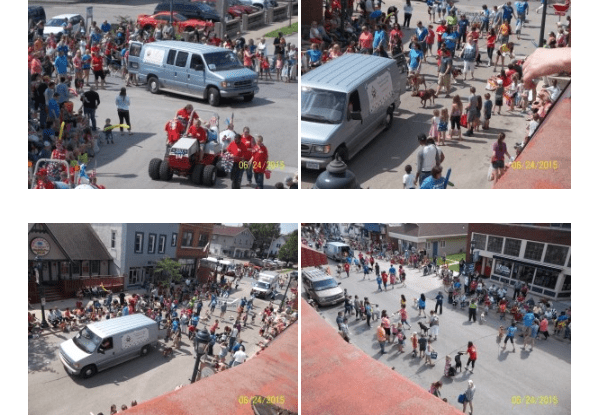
(239, 152)
(185, 113)
(227, 136)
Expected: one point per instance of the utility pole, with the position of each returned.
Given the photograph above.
(543, 24)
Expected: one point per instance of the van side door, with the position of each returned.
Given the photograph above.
(196, 75)
(175, 70)
(106, 356)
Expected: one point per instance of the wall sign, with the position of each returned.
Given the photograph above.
(40, 246)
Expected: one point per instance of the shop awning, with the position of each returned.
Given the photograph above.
(372, 227)
(530, 264)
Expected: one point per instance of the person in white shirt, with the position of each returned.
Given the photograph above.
(426, 158)
(554, 90)
(239, 357)
(408, 178)
(227, 136)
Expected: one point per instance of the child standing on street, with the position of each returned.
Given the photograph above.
(498, 94)
(408, 178)
(279, 65)
(108, 131)
(487, 111)
(434, 126)
(443, 126)
(430, 39)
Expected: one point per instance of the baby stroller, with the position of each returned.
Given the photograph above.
(463, 302)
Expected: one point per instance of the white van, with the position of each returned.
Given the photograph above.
(345, 104)
(266, 284)
(108, 343)
(337, 251)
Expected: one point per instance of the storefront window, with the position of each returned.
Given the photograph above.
(480, 241)
(534, 251)
(188, 266)
(523, 273)
(503, 267)
(546, 278)
(566, 285)
(512, 247)
(556, 254)
(495, 244)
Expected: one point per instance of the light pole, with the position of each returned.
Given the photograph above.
(39, 272)
(201, 342)
(286, 291)
(543, 24)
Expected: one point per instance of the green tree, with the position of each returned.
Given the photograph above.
(167, 270)
(264, 234)
(288, 252)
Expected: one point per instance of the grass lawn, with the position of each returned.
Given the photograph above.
(289, 30)
(453, 258)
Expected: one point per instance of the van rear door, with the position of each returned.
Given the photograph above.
(134, 57)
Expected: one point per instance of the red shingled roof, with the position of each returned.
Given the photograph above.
(339, 378)
(227, 230)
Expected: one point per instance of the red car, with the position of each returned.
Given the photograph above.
(180, 22)
(236, 9)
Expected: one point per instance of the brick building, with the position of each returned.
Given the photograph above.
(536, 253)
(195, 239)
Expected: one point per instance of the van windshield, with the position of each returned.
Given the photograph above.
(262, 285)
(87, 341)
(318, 105)
(222, 61)
(324, 284)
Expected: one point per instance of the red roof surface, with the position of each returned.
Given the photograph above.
(311, 257)
(227, 230)
(273, 373)
(550, 144)
(339, 378)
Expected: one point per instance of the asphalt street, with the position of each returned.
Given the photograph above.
(381, 163)
(500, 376)
(51, 390)
(124, 165)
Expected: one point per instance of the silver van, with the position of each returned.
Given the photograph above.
(108, 343)
(194, 69)
(345, 104)
(322, 288)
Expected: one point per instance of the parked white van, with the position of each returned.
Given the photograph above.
(108, 343)
(266, 284)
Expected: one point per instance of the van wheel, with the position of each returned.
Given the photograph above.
(249, 98)
(153, 85)
(343, 153)
(88, 371)
(213, 97)
(144, 351)
(388, 119)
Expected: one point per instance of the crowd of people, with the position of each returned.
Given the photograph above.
(456, 40)
(520, 315)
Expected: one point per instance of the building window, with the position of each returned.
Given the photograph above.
(203, 240)
(139, 242)
(162, 243)
(523, 273)
(566, 285)
(151, 243)
(556, 254)
(188, 237)
(85, 268)
(65, 268)
(75, 267)
(174, 239)
(480, 241)
(113, 233)
(495, 244)
(95, 267)
(546, 278)
(512, 247)
(503, 267)
(443, 244)
(534, 251)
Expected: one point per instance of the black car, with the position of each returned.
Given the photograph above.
(190, 10)
(36, 14)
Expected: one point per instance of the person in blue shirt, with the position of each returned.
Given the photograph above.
(511, 330)
(485, 19)
(527, 322)
(435, 180)
(195, 319)
(392, 270)
(422, 33)
(314, 55)
(415, 56)
(126, 310)
(380, 37)
(61, 64)
(96, 36)
(62, 91)
(54, 107)
(379, 281)
(462, 30)
(105, 27)
(508, 12)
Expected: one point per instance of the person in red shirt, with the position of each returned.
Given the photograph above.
(174, 129)
(239, 152)
(97, 67)
(185, 113)
(197, 131)
(259, 161)
(440, 30)
(365, 41)
(347, 269)
(249, 143)
(430, 39)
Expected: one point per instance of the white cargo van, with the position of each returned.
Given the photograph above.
(265, 284)
(108, 343)
(337, 251)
